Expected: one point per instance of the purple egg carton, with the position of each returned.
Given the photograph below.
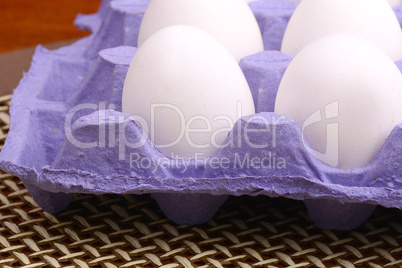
(81, 85)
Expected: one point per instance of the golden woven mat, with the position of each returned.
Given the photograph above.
(131, 231)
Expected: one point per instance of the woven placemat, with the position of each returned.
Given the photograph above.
(131, 231)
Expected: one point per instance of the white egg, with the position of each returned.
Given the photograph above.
(230, 21)
(346, 96)
(394, 3)
(186, 91)
(372, 20)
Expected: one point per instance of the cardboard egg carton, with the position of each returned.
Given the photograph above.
(68, 135)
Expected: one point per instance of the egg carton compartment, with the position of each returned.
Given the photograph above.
(53, 169)
(120, 26)
(398, 13)
(188, 192)
(92, 22)
(272, 17)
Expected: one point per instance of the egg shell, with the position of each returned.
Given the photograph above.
(372, 20)
(359, 88)
(38, 111)
(229, 21)
(192, 72)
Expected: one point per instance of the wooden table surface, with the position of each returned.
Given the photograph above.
(26, 23)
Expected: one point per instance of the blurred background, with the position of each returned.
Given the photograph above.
(27, 23)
